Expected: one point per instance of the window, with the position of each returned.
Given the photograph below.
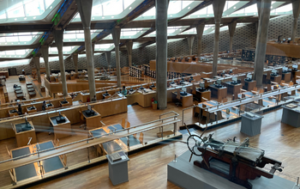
(16, 11)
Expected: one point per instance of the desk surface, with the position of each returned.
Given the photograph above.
(217, 88)
(89, 116)
(54, 122)
(19, 127)
(29, 170)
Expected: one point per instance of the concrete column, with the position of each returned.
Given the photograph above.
(108, 58)
(45, 54)
(129, 45)
(296, 13)
(75, 61)
(200, 30)
(231, 27)
(116, 38)
(37, 66)
(161, 52)
(85, 11)
(218, 7)
(261, 41)
(58, 36)
(190, 44)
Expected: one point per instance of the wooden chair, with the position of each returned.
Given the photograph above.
(123, 123)
(225, 100)
(219, 115)
(255, 89)
(141, 138)
(127, 125)
(8, 152)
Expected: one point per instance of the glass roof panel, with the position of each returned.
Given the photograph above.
(66, 49)
(110, 9)
(207, 12)
(78, 35)
(104, 47)
(176, 9)
(21, 10)
(207, 29)
(15, 53)
(172, 31)
(169, 41)
(131, 33)
(28, 38)
(51, 59)
(11, 63)
(287, 9)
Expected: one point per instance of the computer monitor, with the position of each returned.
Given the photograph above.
(89, 107)
(219, 81)
(249, 76)
(234, 79)
(184, 89)
(295, 66)
(284, 69)
(201, 85)
(274, 72)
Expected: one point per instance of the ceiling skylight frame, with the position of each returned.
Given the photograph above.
(124, 13)
(172, 31)
(4, 38)
(78, 33)
(24, 17)
(54, 50)
(100, 47)
(12, 54)
(140, 31)
(182, 12)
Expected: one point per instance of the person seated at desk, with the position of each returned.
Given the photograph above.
(124, 91)
(105, 94)
(191, 79)
(44, 105)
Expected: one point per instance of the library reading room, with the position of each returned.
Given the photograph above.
(150, 94)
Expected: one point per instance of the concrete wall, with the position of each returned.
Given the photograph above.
(245, 36)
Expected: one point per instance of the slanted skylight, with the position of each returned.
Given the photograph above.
(66, 49)
(207, 29)
(230, 7)
(78, 35)
(25, 10)
(12, 63)
(287, 9)
(28, 38)
(104, 47)
(110, 9)
(169, 41)
(51, 59)
(172, 31)
(131, 33)
(252, 10)
(15, 53)
(177, 8)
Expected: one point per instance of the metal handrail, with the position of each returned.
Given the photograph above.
(88, 139)
(176, 114)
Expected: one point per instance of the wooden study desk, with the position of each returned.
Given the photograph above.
(219, 93)
(233, 88)
(62, 103)
(205, 94)
(142, 98)
(49, 106)
(92, 121)
(31, 109)
(294, 75)
(186, 101)
(249, 85)
(276, 78)
(24, 133)
(61, 130)
(286, 77)
(13, 112)
(34, 170)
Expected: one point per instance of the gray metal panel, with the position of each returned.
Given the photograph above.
(111, 147)
(20, 152)
(25, 172)
(52, 164)
(132, 140)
